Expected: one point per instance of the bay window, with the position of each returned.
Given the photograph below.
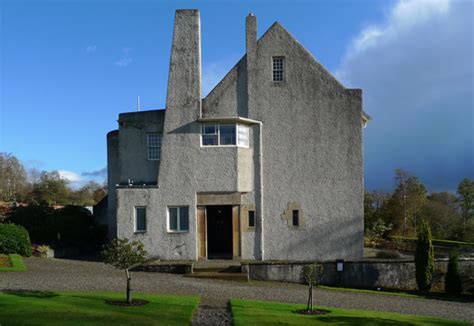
(225, 134)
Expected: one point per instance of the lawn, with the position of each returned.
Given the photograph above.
(12, 263)
(271, 313)
(89, 308)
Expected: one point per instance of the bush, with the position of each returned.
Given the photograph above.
(14, 239)
(388, 254)
(453, 284)
(68, 226)
(424, 258)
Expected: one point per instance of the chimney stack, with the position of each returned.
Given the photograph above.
(184, 79)
(251, 47)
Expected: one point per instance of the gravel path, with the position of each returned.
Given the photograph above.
(66, 275)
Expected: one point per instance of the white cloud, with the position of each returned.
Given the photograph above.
(417, 72)
(69, 176)
(125, 59)
(91, 48)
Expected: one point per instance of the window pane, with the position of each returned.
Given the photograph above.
(153, 153)
(227, 134)
(251, 218)
(296, 218)
(209, 128)
(243, 135)
(183, 219)
(209, 140)
(140, 219)
(173, 218)
(154, 140)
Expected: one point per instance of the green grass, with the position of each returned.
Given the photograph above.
(401, 294)
(270, 313)
(17, 264)
(88, 308)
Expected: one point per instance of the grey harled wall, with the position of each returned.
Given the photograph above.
(312, 147)
(134, 127)
(113, 177)
(368, 274)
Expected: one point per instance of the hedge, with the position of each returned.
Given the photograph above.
(14, 239)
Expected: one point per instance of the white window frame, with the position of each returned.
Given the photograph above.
(155, 146)
(280, 70)
(238, 126)
(178, 222)
(135, 224)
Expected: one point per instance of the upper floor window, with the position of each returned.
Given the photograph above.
(178, 219)
(278, 69)
(153, 146)
(140, 219)
(225, 134)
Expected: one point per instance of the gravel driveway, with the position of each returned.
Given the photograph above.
(60, 274)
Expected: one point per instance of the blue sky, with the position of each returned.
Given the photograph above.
(68, 68)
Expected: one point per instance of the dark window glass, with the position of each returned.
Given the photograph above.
(227, 134)
(183, 219)
(296, 217)
(174, 219)
(140, 219)
(251, 219)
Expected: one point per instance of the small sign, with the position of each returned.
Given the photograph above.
(339, 265)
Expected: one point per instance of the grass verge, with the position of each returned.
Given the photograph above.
(270, 313)
(32, 308)
(414, 294)
(17, 264)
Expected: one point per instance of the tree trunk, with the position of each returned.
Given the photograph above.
(129, 290)
(309, 298)
(311, 293)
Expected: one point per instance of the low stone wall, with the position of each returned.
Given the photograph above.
(369, 274)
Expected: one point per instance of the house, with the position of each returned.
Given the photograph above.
(268, 166)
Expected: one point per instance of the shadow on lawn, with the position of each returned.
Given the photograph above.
(31, 294)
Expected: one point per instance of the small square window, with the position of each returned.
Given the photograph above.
(140, 219)
(251, 219)
(296, 217)
(178, 219)
(153, 146)
(278, 69)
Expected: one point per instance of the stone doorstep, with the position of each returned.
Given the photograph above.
(217, 275)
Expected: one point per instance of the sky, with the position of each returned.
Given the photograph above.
(68, 68)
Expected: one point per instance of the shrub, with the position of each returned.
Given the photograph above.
(453, 284)
(68, 226)
(14, 239)
(424, 258)
(388, 254)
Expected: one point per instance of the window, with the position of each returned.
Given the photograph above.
(140, 219)
(296, 217)
(251, 219)
(153, 146)
(225, 134)
(243, 135)
(278, 69)
(210, 136)
(178, 219)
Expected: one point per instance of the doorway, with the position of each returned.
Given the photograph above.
(219, 232)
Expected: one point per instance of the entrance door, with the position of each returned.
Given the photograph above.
(219, 232)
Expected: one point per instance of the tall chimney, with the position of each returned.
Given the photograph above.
(251, 47)
(184, 79)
